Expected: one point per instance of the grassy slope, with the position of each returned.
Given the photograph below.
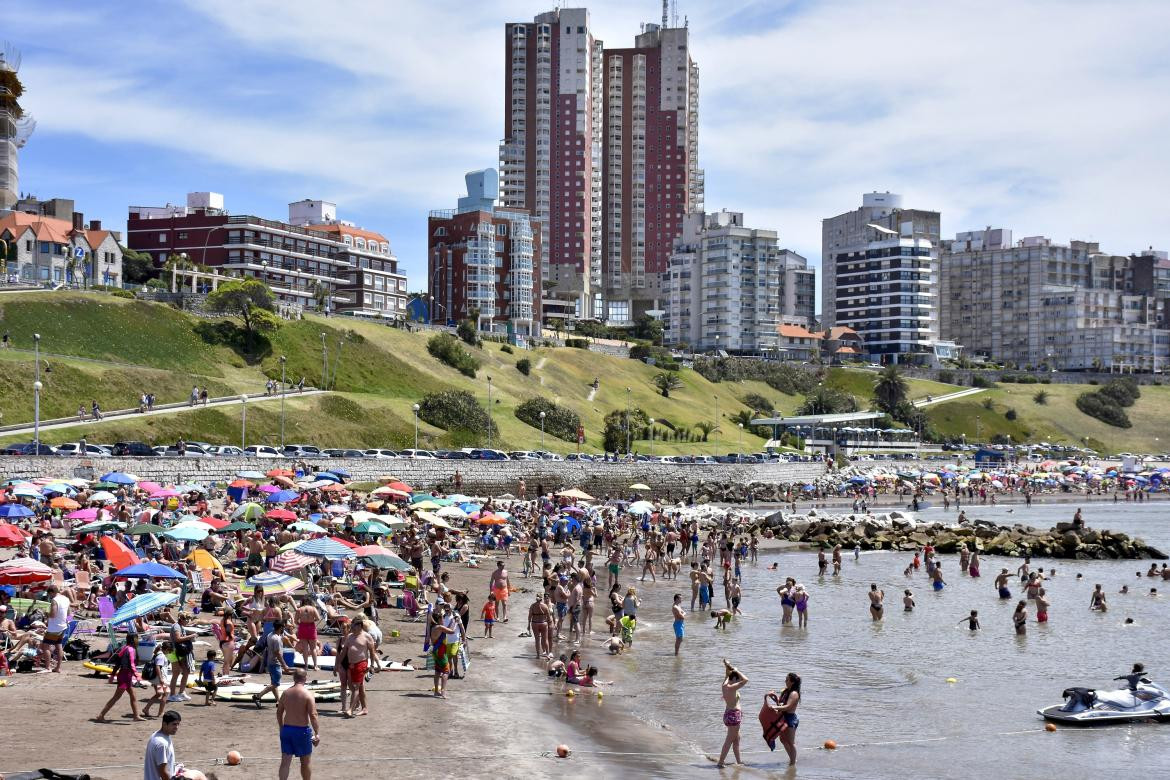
(1059, 420)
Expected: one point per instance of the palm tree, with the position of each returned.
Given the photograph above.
(705, 427)
(666, 381)
(890, 389)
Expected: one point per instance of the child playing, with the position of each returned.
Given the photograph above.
(971, 620)
(722, 618)
(207, 677)
(158, 673)
(489, 615)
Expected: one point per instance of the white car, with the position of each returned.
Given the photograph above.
(412, 454)
(381, 454)
(74, 448)
(258, 451)
(225, 450)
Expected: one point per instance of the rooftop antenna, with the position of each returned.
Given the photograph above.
(665, 3)
(674, 13)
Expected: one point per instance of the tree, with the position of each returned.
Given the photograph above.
(890, 389)
(137, 267)
(705, 427)
(249, 300)
(666, 381)
(648, 328)
(828, 400)
(1041, 397)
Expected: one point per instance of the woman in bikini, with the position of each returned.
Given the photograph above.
(800, 599)
(226, 634)
(875, 602)
(537, 618)
(732, 715)
(788, 700)
(1020, 617)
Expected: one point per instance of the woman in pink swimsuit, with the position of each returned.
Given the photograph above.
(732, 715)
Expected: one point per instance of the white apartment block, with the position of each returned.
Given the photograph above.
(1035, 303)
(727, 286)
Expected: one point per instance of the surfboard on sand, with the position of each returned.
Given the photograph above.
(327, 663)
(323, 690)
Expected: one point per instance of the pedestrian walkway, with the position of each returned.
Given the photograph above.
(940, 399)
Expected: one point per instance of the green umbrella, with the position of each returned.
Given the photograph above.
(107, 485)
(238, 525)
(145, 528)
(371, 527)
(387, 561)
(98, 525)
(248, 511)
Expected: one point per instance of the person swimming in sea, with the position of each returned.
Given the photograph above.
(907, 601)
(971, 620)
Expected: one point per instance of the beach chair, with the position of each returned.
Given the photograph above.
(106, 609)
(81, 579)
(198, 583)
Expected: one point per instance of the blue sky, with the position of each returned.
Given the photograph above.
(1046, 117)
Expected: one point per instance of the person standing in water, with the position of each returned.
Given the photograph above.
(875, 602)
(1042, 604)
(1001, 582)
(1097, 599)
(733, 681)
(1020, 617)
(936, 576)
(788, 700)
(679, 621)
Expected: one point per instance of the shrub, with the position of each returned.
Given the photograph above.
(523, 365)
(466, 330)
(577, 343)
(455, 410)
(446, 348)
(558, 420)
(1045, 380)
(1041, 397)
(121, 293)
(757, 403)
(946, 377)
(988, 404)
(506, 349)
(1103, 408)
(1028, 379)
(1010, 414)
(615, 427)
(1122, 391)
(981, 381)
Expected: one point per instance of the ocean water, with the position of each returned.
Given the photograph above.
(881, 691)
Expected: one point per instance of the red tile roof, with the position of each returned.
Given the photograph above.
(797, 332)
(345, 230)
(44, 228)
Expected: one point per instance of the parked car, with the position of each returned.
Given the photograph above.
(301, 451)
(523, 455)
(260, 451)
(451, 454)
(381, 454)
(134, 449)
(579, 456)
(189, 451)
(72, 448)
(30, 448)
(486, 454)
(224, 450)
(343, 453)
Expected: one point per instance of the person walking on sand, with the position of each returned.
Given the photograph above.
(733, 681)
(274, 650)
(875, 602)
(296, 715)
(440, 635)
(499, 588)
(126, 675)
(679, 621)
(360, 650)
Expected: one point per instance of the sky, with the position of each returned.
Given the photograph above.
(1049, 118)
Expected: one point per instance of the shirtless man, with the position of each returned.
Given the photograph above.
(694, 584)
(306, 618)
(256, 551)
(576, 599)
(499, 587)
(837, 560)
(679, 621)
(296, 715)
(705, 582)
(822, 562)
(1001, 582)
(359, 651)
(875, 602)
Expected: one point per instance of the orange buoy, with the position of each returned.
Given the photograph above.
(1050, 727)
(562, 751)
(234, 758)
(830, 744)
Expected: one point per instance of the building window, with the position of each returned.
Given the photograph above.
(182, 236)
(162, 238)
(501, 230)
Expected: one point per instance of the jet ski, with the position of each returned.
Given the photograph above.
(1089, 707)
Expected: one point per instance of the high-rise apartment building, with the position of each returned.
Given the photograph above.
(601, 146)
(879, 276)
(731, 287)
(550, 157)
(15, 126)
(1036, 303)
(485, 258)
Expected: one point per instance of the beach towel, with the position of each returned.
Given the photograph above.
(772, 722)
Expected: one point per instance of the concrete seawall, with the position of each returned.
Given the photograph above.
(482, 477)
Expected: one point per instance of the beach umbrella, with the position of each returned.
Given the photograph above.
(274, 583)
(195, 523)
(59, 487)
(640, 508)
(439, 522)
(574, 493)
(118, 554)
(397, 485)
(151, 571)
(361, 516)
(389, 492)
(188, 533)
(141, 606)
(378, 557)
(26, 492)
(103, 497)
(452, 511)
(145, 528)
(278, 473)
(204, 560)
(283, 496)
(149, 486)
(251, 474)
(577, 510)
(165, 493)
(268, 489)
(291, 561)
(639, 486)
(248, 511)
(61, 502)
(329, 548)
(327, 475)
(281, 514)
(427, 505)
(340, 472)
(491, 520)
(15, 510)
(241, 483)
(24, 571)
(304, 526)
(371, 527)
(236, 525)
(343, 541)
(470, 507)
(11, 536)
(458, 498)
(337, 509)
(190, 487)
(98, 525)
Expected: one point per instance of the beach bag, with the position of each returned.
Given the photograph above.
(149, 670)
(76, 650)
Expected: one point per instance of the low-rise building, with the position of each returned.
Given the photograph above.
(47, 242)
(485, 260)
(799, 343)
(729, 287)
(1035, 303)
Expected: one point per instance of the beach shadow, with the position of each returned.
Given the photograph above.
(418, 695)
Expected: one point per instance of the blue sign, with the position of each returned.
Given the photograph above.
(79, 252)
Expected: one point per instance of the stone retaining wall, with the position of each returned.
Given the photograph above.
(482, 477)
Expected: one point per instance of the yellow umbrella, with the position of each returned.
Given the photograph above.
(580, 495)
(427, 505)
(204, 560)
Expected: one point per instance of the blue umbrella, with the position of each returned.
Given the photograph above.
(470, 507)
(810, 487)
(282, 496)
(325, 548)
(15, 510)
(329, 475)
(339, 472)
(151, 570)
(24, 492)
(143, 605)
(187, 533)
(859, 480)
(251, 475)
(118, 478)
(59, 487)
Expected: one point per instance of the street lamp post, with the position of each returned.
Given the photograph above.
(741, 437)
(243, 421)
(415, 408)
(37, 417)
(37, 355)
(489, 421)
(716, 419)
(651, 437)
(628, 430)
(978, 429)
(283, 360)
(542, 415)
(324, 362)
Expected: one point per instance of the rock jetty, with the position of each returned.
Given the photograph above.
(902, 531)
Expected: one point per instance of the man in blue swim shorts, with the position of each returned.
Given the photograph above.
(679, 620)
(299, 731)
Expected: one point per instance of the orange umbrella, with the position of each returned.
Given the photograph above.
(284, 481)
(239, 483)
(333, 488)
(491, 520)
(64, 502)
(278, 473)
(118, 554)
(405, 488)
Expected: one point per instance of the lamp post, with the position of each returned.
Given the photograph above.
(628, 431)
(243, 421)
(542, 414)
(283, 360)
(741, 438)
(651, 437)
(324, 362)
(37, 355)
(37, 417)
(978, 429)
(415, 408)
(489, 421)
(716, 419)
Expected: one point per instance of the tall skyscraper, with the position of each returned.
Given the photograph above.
(15, 126)
(879, 271)
(551, 152)
(651, 175)
(602, 146)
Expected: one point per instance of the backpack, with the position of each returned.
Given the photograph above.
(149, 670)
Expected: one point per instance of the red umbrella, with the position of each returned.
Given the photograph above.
(346, 542)
(118, 554)
(371, 549)
(24, 571)
(281, 514)
(11, 535)
(239, 483)
(405, 488)
(290, 561)
(214, 522)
